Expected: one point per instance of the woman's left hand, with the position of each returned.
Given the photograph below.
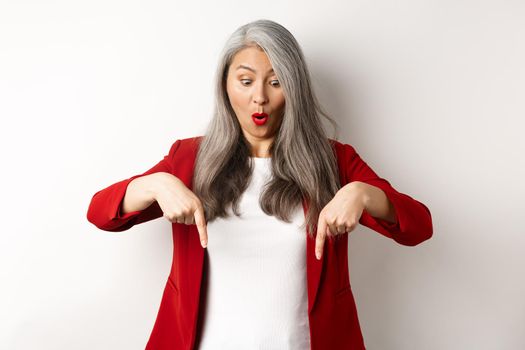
(341, 214)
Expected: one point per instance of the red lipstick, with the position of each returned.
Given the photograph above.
(259, 118)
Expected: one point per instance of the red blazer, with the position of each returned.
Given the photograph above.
(332, 311)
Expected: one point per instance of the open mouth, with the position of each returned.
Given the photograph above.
(259, 118)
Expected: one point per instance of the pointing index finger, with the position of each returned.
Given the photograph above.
(201, 226)
(319, 240)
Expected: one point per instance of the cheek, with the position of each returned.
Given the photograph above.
(279, 101)
(235, 96)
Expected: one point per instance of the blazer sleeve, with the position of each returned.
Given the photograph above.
(414, 220)
(105, 208)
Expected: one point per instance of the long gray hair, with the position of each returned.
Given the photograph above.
(304, 165)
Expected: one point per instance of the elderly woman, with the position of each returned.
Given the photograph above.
(260, 208)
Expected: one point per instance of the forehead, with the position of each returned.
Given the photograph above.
(253, 57)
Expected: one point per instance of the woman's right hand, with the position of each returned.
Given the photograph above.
(178, 203)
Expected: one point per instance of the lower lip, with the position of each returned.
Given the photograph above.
(259, 121)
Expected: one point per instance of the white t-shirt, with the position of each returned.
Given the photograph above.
(257, 288)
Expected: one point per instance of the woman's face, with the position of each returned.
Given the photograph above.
(253, 87)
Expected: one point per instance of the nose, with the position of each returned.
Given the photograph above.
(260, 96)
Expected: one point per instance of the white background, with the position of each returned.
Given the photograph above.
(430, 93)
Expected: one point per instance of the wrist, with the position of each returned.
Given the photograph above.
(362, 190)
(148, 186)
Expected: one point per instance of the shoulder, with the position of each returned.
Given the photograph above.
(188, 144)
(184, 147)
(191, 140)
(343, 150)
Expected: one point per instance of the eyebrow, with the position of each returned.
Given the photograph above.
(250, 68)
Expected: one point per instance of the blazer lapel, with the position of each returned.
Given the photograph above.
(313, 266)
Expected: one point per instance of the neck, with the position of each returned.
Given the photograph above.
(260, 147)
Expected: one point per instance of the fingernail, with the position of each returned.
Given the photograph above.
(203, 242)
(318, 255)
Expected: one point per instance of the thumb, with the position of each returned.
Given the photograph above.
(200, 221)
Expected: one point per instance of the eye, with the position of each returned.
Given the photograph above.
(245, 82)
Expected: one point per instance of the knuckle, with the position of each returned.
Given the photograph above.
(197, 203)
(171, 216)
